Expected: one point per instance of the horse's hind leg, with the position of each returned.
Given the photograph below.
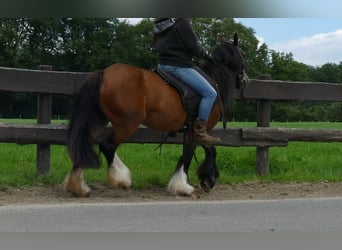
(178, 184)
(119, 176)
(74, 183)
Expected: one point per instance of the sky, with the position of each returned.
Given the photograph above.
(313, 41)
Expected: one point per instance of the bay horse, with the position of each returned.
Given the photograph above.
(127, 97)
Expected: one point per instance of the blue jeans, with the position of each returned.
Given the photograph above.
(197, 83)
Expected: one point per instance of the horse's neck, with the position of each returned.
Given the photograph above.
(214, 72)
(224, 78)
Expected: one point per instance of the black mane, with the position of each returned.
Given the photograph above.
(229, 55)
(226, 69)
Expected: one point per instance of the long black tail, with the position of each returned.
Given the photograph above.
(85, 114)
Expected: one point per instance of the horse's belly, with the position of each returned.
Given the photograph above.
(165, 121)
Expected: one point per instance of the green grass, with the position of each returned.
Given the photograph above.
(30, 121)
(298, 162)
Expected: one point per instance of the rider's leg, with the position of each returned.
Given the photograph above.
(201, 86)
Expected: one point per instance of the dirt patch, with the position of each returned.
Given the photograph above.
(101, 193)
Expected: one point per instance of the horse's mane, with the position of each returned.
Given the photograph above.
(225, 77)
(225, 68)
(217, 73)
(229, 55)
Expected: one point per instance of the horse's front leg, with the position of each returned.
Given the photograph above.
(208, 171)
(178, 184)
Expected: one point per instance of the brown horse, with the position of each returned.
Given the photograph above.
(128, 96)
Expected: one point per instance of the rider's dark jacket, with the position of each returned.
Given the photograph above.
(176, 42)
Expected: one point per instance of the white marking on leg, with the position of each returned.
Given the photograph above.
(75, 184)
(86, 189)
(118, 174)
(178, 184)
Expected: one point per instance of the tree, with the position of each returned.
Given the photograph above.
(328, 72)
(145, 57)
(87, 43)
(261, 62)
(133, 44)
(10, 41)
(40, 42)
(335, 112)
(210, 30)
(284, 67)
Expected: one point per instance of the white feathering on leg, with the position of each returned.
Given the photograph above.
(178, 184)
(118, 174)
(75, 184)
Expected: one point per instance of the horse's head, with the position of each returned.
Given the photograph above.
(229, 55)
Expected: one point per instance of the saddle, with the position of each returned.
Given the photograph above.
(190, 98)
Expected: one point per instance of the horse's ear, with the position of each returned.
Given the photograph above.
(236, 39)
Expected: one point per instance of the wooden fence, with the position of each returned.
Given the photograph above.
(45, 82)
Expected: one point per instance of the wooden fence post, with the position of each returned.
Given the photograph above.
(44, 107)
(264, 117)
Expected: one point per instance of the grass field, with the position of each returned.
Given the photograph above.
(300, 161)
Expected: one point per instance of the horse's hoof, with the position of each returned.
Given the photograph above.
(74, 183)
(119, 176)
(185, 190)
(78, 193)
(116, 184)
(178, 184)
(206, 185)
(119, 185)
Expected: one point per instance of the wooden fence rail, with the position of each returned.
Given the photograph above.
(57, 134)
(46, 82)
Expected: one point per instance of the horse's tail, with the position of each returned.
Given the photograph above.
(85, 114)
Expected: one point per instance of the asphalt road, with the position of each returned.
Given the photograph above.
(299, 215)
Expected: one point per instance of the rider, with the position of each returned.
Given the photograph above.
(177, 44)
